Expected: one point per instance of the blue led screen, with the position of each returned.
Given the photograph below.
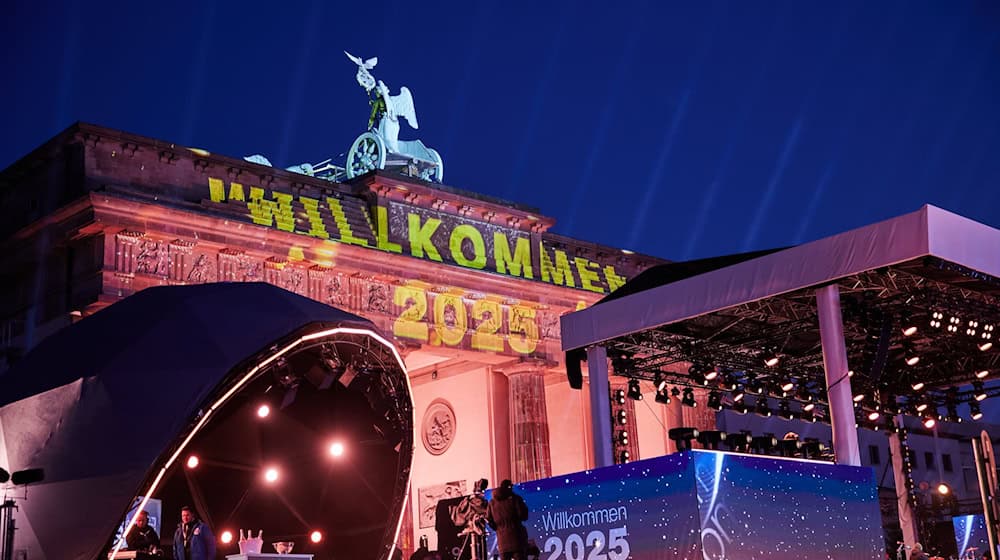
(707, 505)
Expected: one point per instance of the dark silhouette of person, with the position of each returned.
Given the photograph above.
(506, 514)
(142, 537)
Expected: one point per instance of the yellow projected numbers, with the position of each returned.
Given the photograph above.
(448, 324)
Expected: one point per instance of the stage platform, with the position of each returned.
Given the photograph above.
(708, 505)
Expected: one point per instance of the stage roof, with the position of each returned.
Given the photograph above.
(892, 275)
(102, 404)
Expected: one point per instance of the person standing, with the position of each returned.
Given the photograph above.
(142, 537)
(193, 539)
(506, 513)
(918, 553)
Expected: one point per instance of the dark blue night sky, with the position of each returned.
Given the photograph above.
(678, 129)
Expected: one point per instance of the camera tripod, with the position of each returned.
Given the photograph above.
(474, 539)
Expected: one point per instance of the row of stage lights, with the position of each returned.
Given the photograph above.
(808, 410)
(665, 395)
(269, 474)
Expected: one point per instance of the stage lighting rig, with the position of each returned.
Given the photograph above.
(688, 398)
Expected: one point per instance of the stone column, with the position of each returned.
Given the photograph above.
(529, 422)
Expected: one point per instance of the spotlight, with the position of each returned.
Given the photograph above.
(697, 374)
(917, 385)
(662, 395)
(910, 330)
(620, 396)
(874, 415)
(683, 437)
(226, 537)
(763, 444)
(661, 383)
(812, 449)
(929, 422)
(936, 318)
(912, 360)
(192, 461)
(807, 415)
(981, 374)
(760, 407)
(803, 393)
(953, 323)
(336, 449)
(785, 410)
(622, 417)
(943, 489)
(731, 382)
(985, 346)
(624, 456)
(740, 407)
(623, 437)
(808, 406)
(688, 398)
(980, 392)
(755, 387)
(771, 360)
(271, 475)
(974, 411)
(738, 394)
(634, 391)
(922, 406)
(859, 397)
(739, 442)
(715, 400)
(315, 536)
(789, 447)
(953, 414)
(263, 411)
(711, 439)
(4, 476)
(787, 387)
(712, 374)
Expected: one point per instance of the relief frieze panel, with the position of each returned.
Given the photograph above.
(151, 258)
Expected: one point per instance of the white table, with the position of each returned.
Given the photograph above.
(269, 556)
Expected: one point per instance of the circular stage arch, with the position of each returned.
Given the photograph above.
(114, 407)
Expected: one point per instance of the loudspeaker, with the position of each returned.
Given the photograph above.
(574, 367)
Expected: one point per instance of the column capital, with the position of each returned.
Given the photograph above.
(525, 365)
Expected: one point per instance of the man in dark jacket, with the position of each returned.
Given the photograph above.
(506, 514)
(193, 539)
(142, 537)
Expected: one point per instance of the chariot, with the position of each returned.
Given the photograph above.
(380, 147)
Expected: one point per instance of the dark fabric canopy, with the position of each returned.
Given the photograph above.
(97, 404)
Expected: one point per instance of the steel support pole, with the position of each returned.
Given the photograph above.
(838, 382)
(600, 406)
(983, 468)
(904, 506)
